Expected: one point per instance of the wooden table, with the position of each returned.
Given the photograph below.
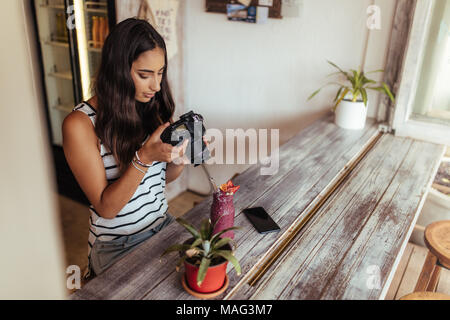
(374, 185)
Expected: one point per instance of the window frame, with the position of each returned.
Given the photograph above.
(401, 121)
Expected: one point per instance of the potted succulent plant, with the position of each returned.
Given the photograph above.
(205, 257)
(351, 101)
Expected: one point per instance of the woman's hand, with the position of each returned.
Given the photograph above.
(156, 150)
(179, 154)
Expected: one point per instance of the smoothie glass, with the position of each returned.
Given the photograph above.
(222, 209)
(222, 213)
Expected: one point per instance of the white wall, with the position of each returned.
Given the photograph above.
(242, 75)
(31, 264)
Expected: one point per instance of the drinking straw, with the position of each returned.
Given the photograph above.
(213, 184)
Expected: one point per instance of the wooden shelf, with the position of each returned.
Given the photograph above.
(64, 108)
(93, 7)
(66, 75)
(91, 46)
(55, 38)
(97, 50)
(53, 6)
(57, 43)
(95, 3)
(97, 10)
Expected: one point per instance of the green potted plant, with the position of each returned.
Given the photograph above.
(205, 257)
(351, 101)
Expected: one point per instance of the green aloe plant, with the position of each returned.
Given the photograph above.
(355, 83)
(206, 249)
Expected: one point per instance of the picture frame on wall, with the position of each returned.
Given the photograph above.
(220, 6)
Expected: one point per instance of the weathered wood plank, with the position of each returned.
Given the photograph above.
(323, 231)
(300, 206)
(305, 139)
(115, 280)
(256, 245)
(325, 271)
(378, 244)
(137, 276)
(390, 225)
(285, 200)
(288, 200)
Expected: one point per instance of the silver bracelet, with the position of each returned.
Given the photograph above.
(134, 165)
(139, 162)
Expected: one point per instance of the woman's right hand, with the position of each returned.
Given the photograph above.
(156, 150)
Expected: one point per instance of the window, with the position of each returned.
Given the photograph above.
(432, 100)
(422, 109)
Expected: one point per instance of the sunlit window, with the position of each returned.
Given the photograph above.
(432, 101)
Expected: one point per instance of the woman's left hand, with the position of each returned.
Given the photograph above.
(206, 142)
(179, 154)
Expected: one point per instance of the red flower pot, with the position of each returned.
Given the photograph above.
(215, 275)
(214, 279)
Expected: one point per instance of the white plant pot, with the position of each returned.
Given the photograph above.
(351, 115)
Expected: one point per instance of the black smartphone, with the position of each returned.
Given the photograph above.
(261, 220)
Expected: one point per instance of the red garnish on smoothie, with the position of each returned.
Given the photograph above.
(229, 188)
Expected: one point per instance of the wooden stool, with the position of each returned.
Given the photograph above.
(437, 239)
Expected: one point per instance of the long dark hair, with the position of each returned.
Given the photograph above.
(122, 123)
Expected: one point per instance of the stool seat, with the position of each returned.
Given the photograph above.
(426, 296)
(437, 239)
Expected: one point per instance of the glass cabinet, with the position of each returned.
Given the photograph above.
(71, 35)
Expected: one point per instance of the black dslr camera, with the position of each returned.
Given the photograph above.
(190, 126)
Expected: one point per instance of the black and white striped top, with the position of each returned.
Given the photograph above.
(147, 207)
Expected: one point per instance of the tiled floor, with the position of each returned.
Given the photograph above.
(75, 223)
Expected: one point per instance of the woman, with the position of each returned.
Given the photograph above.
(113, 147)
